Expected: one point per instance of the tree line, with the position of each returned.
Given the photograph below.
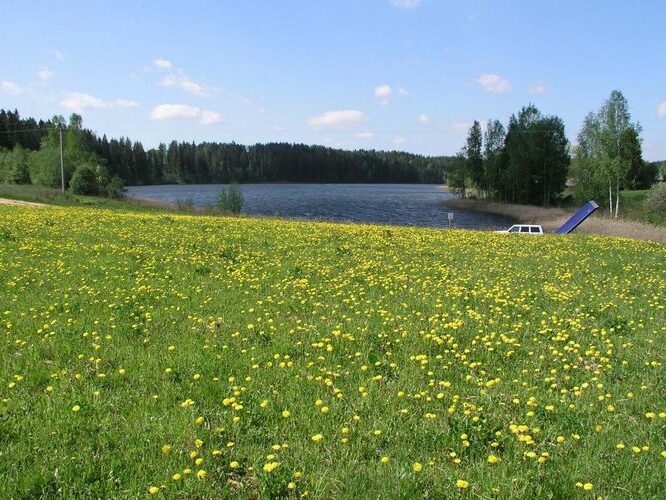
(29, 153)
(530, 160)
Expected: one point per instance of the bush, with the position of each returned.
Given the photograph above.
(655, 201)
(186, 205)
(230, 200)
(20, 174)
(84, 181)
(115, 188)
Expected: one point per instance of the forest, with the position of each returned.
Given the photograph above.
(29, 152)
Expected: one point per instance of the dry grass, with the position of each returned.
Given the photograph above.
(552, 218)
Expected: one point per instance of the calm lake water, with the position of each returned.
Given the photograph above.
(401, 204)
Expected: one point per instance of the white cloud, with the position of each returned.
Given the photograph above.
(423, 118)
(162, 63)
(185, 112)
(364, 135)
(338, 118)
(406, 4)
(383, 91)
(78, 102)
(538, 88)
(661, 109)
(493, 83)
(185, 83)
(10, 88)
(45, 74)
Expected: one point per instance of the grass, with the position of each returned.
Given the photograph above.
(51, 196)
(632, 207)
(204, 357)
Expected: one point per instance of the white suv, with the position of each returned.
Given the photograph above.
(523, 229)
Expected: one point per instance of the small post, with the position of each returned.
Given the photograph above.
(450, 220)
(62, 165)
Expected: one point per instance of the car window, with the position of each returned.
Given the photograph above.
(534, 230)
(513, 229)
(524, 229)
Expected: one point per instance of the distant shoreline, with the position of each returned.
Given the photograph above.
(552, 218)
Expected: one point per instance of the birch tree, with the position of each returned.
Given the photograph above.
(599, 156)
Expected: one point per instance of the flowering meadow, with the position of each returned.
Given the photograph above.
(192, 356)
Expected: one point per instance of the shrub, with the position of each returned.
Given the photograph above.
(655, 201)
(186, 205)
(20, 174)
(84, 181)
(230, 200)
(115, 188)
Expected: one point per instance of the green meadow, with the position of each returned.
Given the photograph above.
(208, 357)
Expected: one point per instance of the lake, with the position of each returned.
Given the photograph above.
(401, 204)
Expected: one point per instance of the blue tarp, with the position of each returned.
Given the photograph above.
(583, 213)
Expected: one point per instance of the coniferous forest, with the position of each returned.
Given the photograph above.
(29, 150)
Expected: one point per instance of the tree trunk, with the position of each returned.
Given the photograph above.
(610, 198)
(617, 196)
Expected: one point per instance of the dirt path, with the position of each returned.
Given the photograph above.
(5, 201)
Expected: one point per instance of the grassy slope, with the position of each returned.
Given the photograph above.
(409, 337)
(51, 196)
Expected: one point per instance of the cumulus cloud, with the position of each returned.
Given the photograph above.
(45, 74)
(185, 112)
(185, 83)
(78, 102)
(10, 88)
(493, 83)
(162, 63)
(406, 4)
(423, 118)
(661, 109)
(383, 90)
(538, 88)
(364, 135)
(338, 118)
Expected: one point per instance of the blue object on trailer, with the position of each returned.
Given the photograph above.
(583, 213)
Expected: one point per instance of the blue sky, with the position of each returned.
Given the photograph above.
(383, 74)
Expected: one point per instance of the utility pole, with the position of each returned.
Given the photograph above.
(62, 165)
